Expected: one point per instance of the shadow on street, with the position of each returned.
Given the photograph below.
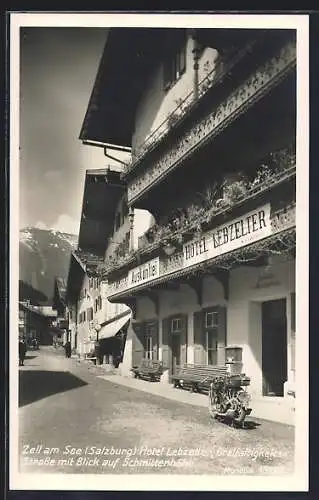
(38, 384)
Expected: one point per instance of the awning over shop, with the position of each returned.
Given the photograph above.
(111, 329)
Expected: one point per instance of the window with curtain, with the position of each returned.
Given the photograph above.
(148, 347)
(174, 66)
(211, 335)
(176, 325)
(211, 347)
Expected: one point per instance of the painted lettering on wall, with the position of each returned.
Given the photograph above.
(239, 232)
(144, 273)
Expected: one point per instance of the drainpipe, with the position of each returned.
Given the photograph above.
(131, 218)
(195, 52)
(114, 158)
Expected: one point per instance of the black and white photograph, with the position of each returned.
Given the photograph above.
(159, 251)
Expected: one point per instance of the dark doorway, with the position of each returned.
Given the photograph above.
(177, 329)
(274, 347)
(176, 351)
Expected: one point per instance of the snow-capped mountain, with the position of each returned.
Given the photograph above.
(44, 254)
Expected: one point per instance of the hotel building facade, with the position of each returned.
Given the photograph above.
(210, 117)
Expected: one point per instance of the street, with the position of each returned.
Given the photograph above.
(73, 422)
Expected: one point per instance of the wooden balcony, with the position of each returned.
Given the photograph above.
(281, 240)
(202, 131)
(186, 104)
(205, 217)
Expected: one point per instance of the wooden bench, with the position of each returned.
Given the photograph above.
(197, 378)
(91, 358)
(149, 369)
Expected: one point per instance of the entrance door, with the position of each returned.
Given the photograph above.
(176, 351)
(274, 347)
(176, 331)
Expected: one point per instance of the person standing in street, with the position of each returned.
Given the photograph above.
(67, 348)
(22, 351)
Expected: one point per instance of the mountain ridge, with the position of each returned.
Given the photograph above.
(43, 255)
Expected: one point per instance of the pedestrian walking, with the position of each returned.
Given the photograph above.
(67, 348)
(22, 351)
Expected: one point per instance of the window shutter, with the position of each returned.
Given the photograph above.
(165, 345)
(137, 343)
(199, 350)
(155, 340)
(184, 339)
(167, 72)
(182, 60)
(221, 340)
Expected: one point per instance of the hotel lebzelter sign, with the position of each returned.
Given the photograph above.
(245, 230)
(230, 236)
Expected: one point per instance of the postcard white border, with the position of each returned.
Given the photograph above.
(296, 482)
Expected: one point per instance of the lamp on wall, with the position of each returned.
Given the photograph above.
(168, 248)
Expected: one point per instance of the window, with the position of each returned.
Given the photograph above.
(211, 347)
(117, 220)
(95, 305)
(174, 67)
(125, 208)
(148, 347)
(211, 319)
(90, 313)
(127, 241)
(100, 302)
(80, 318)
(176, 325)
(84, 316)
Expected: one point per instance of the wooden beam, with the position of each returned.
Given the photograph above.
(131, 303)
(197, 285)
(173, 286)
(222, 275)
(152, 295)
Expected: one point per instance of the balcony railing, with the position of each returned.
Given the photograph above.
(281, 241)
(235, 194)
(222, 68)
(253, 89)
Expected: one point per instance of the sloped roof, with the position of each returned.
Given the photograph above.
(128, 59)
(75, 278)
(102, 191)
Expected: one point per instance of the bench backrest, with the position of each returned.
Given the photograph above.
(209, 371)
(150, 363)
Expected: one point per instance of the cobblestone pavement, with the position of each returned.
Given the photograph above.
(72, 421)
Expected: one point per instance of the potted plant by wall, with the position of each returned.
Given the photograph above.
(234, 187)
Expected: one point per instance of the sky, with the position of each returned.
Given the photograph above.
(58, 67)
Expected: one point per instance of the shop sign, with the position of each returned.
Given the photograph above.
(244, 230)
(144, 273)
(118, 286)
(137, 276)
(239, 232)
(284, 219)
